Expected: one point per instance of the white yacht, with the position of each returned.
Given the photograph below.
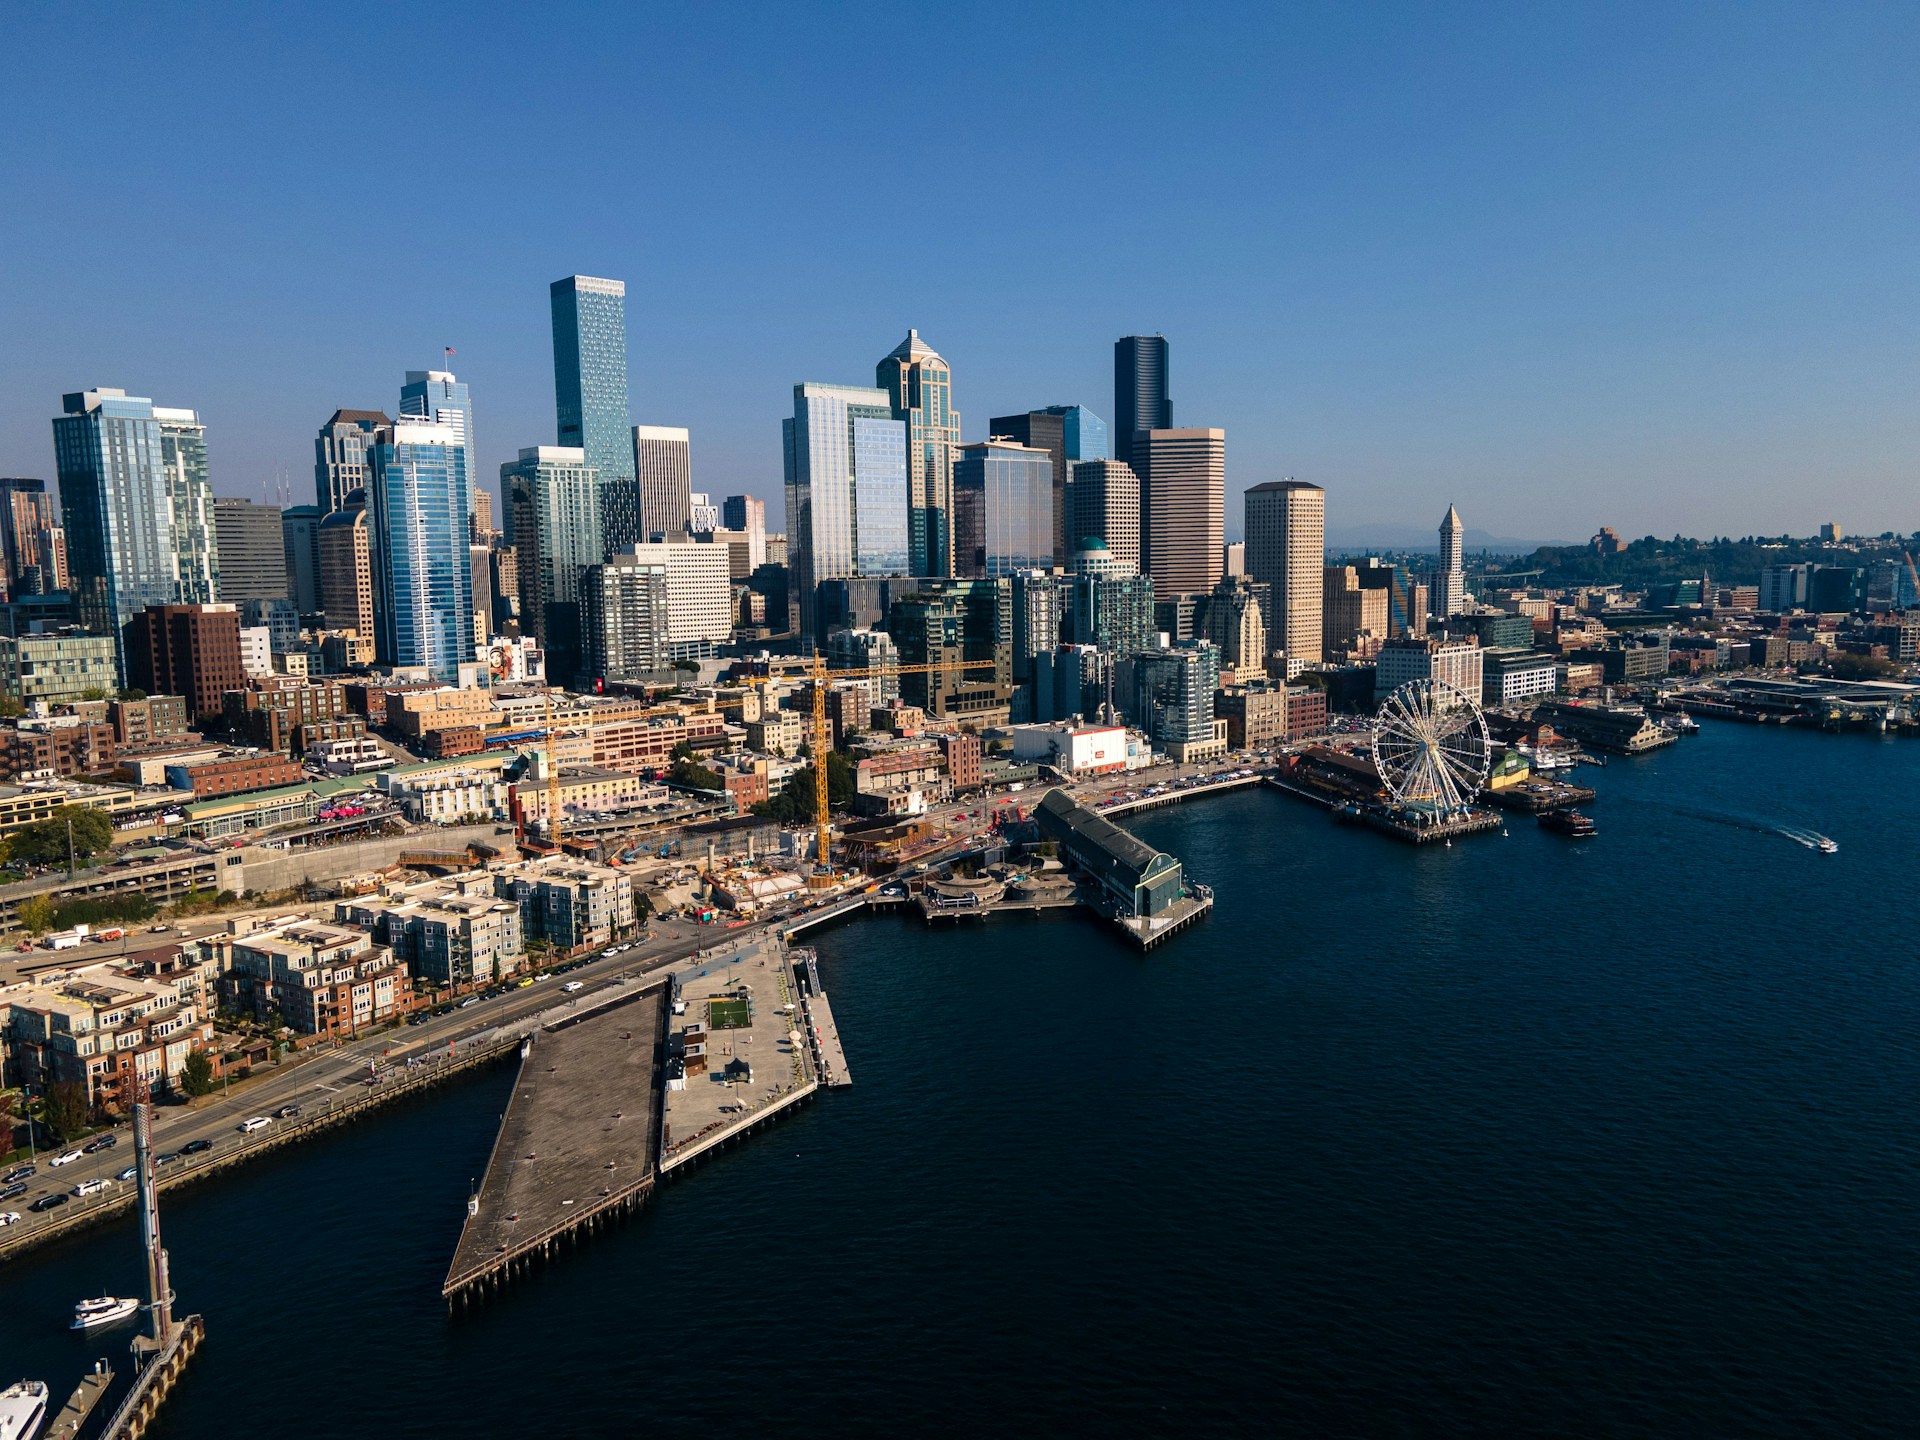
(23, 1409)
(107, 1310)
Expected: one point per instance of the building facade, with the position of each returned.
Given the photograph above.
(1287, 552)
(919, 387)
(624, 619)
(590, 396)
(418, 500)
(340, 456)
(1003, 510)
(192, 651)
(1450, 580)
(1141, 398)
(1103, 503)
(847, 492)
(345, 555)
(554, 525)
(1183, 486)
(663, 469)
(252, 548)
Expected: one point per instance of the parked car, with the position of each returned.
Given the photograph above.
(49, 1202)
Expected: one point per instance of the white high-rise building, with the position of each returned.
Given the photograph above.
(663, 466)
(847, 493)
(703, 516)
(699, 589)
(1450, 580)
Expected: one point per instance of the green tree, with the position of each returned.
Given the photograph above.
(10, 708)
(44, 842)
(65, 1110)
(196, 1075)
(37, 914)
(695, 776)
(794, 804)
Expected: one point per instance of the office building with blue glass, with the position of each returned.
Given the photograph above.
(590, 396)
(554, 527)
(136, 507)
(1003, 510)
(847, 493)
(1068, 433)
(919, 384)
(418, 494)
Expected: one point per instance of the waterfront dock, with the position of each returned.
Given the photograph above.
(737, 1057)
(1413, 829)
(829, 1057)
(81, 1404)
(577, 1145)
(161, 1369)
(1535, 797)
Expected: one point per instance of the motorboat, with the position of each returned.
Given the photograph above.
(1568, 822)
(23, 1409)
(107, 1310)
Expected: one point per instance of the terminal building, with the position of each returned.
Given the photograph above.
(1134, 881)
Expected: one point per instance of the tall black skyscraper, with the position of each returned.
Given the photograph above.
(1140, 398)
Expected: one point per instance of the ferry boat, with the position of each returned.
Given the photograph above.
(1568, 822)
(1680, 723)
(107, 1310)
(23, 1408)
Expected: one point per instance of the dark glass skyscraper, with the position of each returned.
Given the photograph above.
(590, 395)
(1068, 433)
(1140, 397)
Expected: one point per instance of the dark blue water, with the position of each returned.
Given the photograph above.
(1524, 1137)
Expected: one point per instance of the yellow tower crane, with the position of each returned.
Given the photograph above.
(814, 667)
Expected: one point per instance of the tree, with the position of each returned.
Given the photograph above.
(10, 708)
(66, 1109)
(44, 842)
(196, 1075)
(692, 775)
(794, 804)
(36, 914)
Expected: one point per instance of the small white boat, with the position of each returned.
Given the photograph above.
(107, 1310)
(23, 1408)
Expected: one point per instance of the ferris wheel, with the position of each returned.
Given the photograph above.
(1431, 747)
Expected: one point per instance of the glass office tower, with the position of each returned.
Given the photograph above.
(1003, 504)
(1141, 400)
(847, 490)
(554, 527)
(919, 385)
(437, 396)
(196, 548)
(116, 508)
(590, 395)
(418, 496)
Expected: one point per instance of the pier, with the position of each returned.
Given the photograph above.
(86, 1397)
(577, 1144)
(737, 1056)
(829, 1058)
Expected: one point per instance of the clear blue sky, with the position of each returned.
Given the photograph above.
(1647, 266)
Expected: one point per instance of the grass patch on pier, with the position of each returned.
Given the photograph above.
(729, 1014)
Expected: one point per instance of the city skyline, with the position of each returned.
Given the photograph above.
(1446, 267)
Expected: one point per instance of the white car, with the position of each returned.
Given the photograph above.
(573, 985)
(90, 1187)
(66, 1159)
(248, 1127)
(9, 1217)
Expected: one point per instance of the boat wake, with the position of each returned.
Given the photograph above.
(1800, 835)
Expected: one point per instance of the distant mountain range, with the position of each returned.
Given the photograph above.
(1414, 537)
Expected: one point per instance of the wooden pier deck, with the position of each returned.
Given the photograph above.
(159, 1372)
(829, 1057)
(578, 1143)
(73, 1415)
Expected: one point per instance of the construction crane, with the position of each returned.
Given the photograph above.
(814, 668)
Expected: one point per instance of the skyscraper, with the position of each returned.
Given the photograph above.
(748, 515)
(1141, 400)
(554, 525)
(196, 548)
(919, 385)
(1067, 433)
(1103, 502)
(624, 619)
(437, 396)
(1287, 552)
(947, 621)
(300, 536)
(590, 395)
(1450, 580)
(344, 557)
(847, 491)
(26, 515)
(253, 550)
(1183, 498)
(1003, 509)
(418, 496)
(188, 650)
(340, 456)
(136, 505)
(663, 466)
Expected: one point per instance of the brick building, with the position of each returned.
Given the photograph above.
(233, 775)
(158, 719)
(192, 651)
